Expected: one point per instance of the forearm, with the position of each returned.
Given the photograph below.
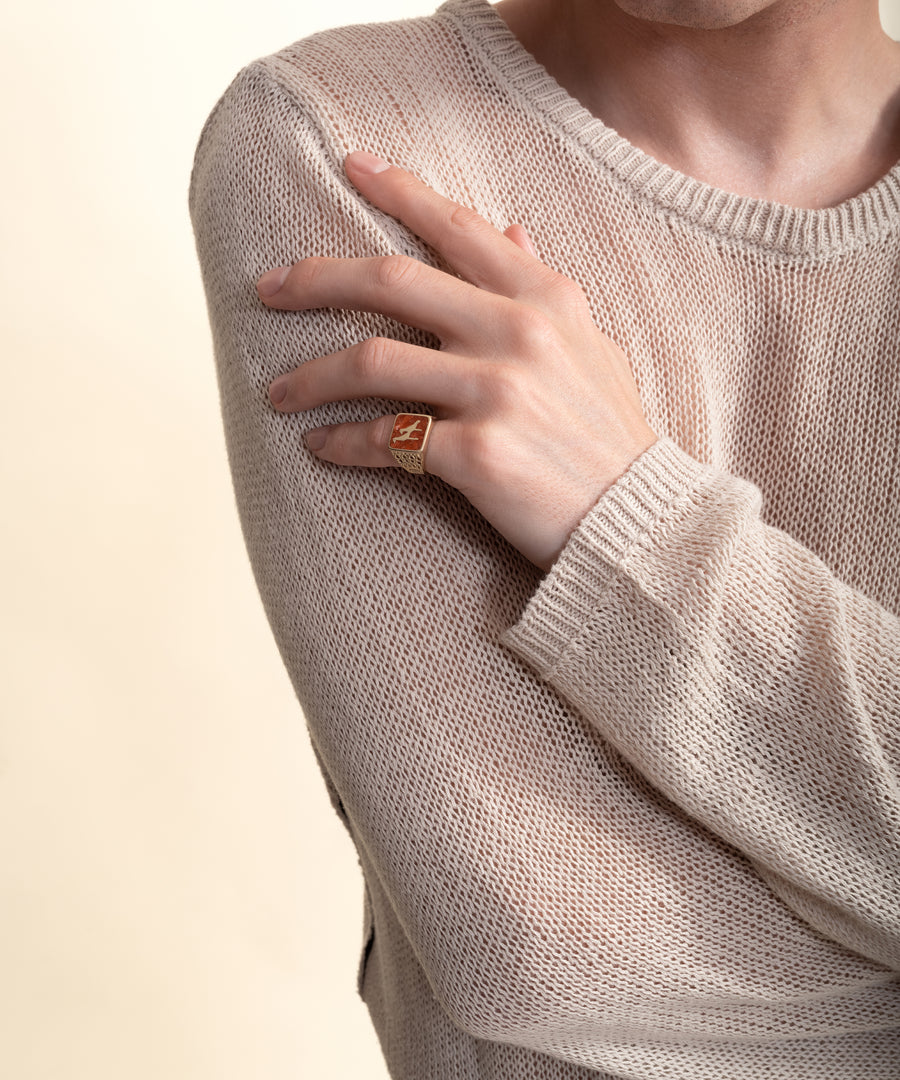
(748, 684)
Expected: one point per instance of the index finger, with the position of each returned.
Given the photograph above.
(472, 246)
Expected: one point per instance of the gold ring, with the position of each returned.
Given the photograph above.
(409, 438)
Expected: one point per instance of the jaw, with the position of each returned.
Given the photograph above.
(712, 14)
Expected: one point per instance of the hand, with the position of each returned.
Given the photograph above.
(537, 413)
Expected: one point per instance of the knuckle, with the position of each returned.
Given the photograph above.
(502, 386)
(406, 185)
(534, 330)
(307, 273)
(395, 271)
(465, 219)
(478, 450)
(339, 443)
(370, 359)
(377, 434)
(564, 293)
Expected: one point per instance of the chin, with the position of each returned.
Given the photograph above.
(696, 14)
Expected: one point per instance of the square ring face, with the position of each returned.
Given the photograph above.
(410, 432)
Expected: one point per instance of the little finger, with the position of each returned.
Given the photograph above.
(368, 444)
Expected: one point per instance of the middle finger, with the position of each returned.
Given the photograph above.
(394, 285)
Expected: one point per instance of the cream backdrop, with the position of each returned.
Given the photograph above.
(177, 898)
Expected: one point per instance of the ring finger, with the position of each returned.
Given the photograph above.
(380, 367)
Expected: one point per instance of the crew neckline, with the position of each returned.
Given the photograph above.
(787, 230)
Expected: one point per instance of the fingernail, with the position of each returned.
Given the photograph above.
(278, 390)
(271, 281)
(365, 163)
(315, 439)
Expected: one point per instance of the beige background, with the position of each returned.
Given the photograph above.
(177, 898)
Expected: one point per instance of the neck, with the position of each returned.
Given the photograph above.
(798, 104)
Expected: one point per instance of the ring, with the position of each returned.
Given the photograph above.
(409, 438)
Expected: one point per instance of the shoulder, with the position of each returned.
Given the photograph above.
(408, 50)
(412, 91)
(358, 80)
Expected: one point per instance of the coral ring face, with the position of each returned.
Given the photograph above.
(409, 439)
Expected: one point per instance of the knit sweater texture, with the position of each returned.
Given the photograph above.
(637, 817)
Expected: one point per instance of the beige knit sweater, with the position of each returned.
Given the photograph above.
(639, 818)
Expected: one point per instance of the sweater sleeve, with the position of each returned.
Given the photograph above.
(520, 872)
(750, 686)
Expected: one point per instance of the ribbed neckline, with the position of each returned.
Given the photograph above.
(786, 230)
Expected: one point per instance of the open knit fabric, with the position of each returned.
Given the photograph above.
(637, 817)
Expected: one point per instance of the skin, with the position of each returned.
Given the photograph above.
(501, 439)
(537, 413)
(792, 101)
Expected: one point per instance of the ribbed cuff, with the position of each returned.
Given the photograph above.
(593, 557)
